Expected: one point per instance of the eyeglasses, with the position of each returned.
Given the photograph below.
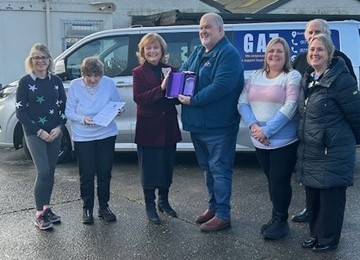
(40, 58)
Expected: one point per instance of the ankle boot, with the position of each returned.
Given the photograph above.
(279, 227)
(163, 204)
(269, 223)
(87, 217)
(150, 206)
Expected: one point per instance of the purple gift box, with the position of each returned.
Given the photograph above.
(180, 83)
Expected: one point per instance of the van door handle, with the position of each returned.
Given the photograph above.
(122, 84)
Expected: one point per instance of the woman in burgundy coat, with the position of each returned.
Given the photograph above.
(157, 128)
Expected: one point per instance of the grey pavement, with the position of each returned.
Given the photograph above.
(133, 237)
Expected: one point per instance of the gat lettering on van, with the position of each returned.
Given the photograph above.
(252, 44)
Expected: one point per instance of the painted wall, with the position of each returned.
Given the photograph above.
(22, 24)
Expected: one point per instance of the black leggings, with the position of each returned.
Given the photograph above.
(278, 165)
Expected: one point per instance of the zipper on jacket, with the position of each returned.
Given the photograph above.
(304, 147)
(326, 150)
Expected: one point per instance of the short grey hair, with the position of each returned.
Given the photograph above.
(323, 24)
(92, 66)
(216, 18)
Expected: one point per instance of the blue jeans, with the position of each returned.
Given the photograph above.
(215, 155)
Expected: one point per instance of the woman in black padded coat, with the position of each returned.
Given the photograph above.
(329, 129)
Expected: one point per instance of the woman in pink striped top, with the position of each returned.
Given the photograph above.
(268, 105)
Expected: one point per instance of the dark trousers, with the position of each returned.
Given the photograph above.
(326, 209)
(278, 165)
(156, 166)
(95, 158)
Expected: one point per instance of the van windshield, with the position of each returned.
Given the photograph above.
(112, 51)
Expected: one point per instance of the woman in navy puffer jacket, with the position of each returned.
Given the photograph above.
(329, 129)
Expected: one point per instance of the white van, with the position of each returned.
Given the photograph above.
(117, 48)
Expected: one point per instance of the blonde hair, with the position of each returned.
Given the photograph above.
(151, 38)
(328, 44)
(287, 65)
(38, 47)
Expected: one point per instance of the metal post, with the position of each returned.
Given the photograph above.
(47, 22)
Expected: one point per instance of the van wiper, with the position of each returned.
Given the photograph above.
(2, 90)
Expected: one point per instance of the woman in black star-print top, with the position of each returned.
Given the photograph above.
(40, 107)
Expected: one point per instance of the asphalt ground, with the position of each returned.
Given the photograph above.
(133, 237)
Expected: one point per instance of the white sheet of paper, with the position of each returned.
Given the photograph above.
(108, 113)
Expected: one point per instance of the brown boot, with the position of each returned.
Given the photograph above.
(215, 224)
(205, 216)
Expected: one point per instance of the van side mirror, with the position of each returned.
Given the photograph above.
(60, 69)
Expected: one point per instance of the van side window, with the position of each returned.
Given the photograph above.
(180, 46)
(115, 57)
(112, 51)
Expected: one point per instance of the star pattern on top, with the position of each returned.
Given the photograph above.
(59, 102)
(18, 104)
(43, 101)
(40, 100)
(32, 87)
(42, 120)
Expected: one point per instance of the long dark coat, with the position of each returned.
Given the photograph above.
(156, 121)
(329, 128)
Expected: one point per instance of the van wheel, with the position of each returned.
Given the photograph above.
(65, 152)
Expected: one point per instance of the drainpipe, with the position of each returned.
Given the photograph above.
(47, 23)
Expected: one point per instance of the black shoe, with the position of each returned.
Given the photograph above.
(302, 216)
(152, 215)
(265, 226)
(309, 243)
(319, 248)
(87, 217)
(277, 230)
(168, 210)
(107, 214)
